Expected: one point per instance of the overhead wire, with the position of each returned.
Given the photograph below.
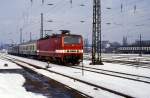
(60, 8)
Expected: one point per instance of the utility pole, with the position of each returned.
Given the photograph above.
(20, 35)
(86, 44)
(41, 32)
(140, 50)
(96, 35)
(30, 36)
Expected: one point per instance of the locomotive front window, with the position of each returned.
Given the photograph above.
(72, 40)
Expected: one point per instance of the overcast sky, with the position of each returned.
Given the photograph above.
(130, 22)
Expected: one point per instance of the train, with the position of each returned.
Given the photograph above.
(62, 48)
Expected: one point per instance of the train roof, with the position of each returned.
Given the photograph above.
(59, 35)
(29, 42)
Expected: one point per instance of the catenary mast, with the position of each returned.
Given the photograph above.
(96, 34)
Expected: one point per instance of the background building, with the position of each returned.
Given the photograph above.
(136, 47)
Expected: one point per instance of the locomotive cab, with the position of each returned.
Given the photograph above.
(73, 48)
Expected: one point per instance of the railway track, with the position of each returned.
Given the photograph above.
(125, 61)
(129, 63)
(70, 77)
(133, 77)
(13, 60)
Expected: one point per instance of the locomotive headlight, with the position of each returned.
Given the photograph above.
(62, 51)
(81, 51)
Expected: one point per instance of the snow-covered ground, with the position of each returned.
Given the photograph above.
(121, 68)
(106, 66)
(124, 57)
(9, 65)
(129, 87)
(11, 84)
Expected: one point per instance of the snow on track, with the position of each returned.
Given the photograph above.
(106, 66)
(125, 86)
(121, 68)
(135, 89)
(11, 85)
(81, 87)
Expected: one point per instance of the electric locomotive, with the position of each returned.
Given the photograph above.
(61, 48)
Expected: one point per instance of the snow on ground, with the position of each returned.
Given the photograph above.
(124, 57)
(121, 68)
(79, 86)
(10, 65)
(127, 57)
(133, 88)
(11, 86)
(106, 66)
(86, 89)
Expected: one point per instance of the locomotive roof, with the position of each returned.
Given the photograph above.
(58, 35)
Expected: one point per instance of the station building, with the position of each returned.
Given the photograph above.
(136, 47)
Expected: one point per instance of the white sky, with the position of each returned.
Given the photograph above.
(16, 14)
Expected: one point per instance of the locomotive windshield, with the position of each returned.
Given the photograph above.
(72, 40)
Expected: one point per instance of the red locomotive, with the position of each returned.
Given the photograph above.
(61, 48)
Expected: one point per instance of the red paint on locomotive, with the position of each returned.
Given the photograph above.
(63, 48)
